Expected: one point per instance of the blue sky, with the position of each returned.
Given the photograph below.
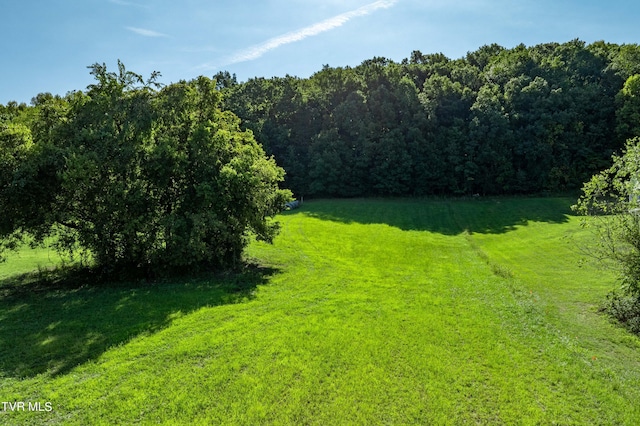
(47, 44)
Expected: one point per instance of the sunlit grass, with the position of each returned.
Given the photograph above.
(28, 260)
(365, 312)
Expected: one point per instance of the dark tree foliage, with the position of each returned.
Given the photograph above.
(498, 121)
(137, 176)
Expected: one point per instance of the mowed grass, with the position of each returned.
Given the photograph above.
(362, 312)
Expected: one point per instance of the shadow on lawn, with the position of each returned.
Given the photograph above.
(448, 216)
(54, 327)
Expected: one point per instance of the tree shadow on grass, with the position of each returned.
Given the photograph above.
(445, 216)
(53, 324)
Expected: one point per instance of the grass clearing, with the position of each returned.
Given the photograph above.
(364, 312)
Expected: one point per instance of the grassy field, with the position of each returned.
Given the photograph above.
(363, 312)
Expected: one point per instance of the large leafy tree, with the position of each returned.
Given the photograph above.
(139, 176)
(611, 205)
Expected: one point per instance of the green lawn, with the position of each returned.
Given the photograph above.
(362, 312)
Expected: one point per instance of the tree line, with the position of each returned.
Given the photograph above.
(497, 121)
(137, 174)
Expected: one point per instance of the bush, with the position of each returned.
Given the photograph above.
(625, 309)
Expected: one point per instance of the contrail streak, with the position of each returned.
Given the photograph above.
(258, 50)
(146, 33)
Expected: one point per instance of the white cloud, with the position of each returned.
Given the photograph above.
(258, 50)
(146, 33)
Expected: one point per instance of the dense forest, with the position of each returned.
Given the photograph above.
(497, 121)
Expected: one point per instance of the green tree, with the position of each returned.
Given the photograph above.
(16, 147)
(491, 143)
(144, 178)
(611, 205)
